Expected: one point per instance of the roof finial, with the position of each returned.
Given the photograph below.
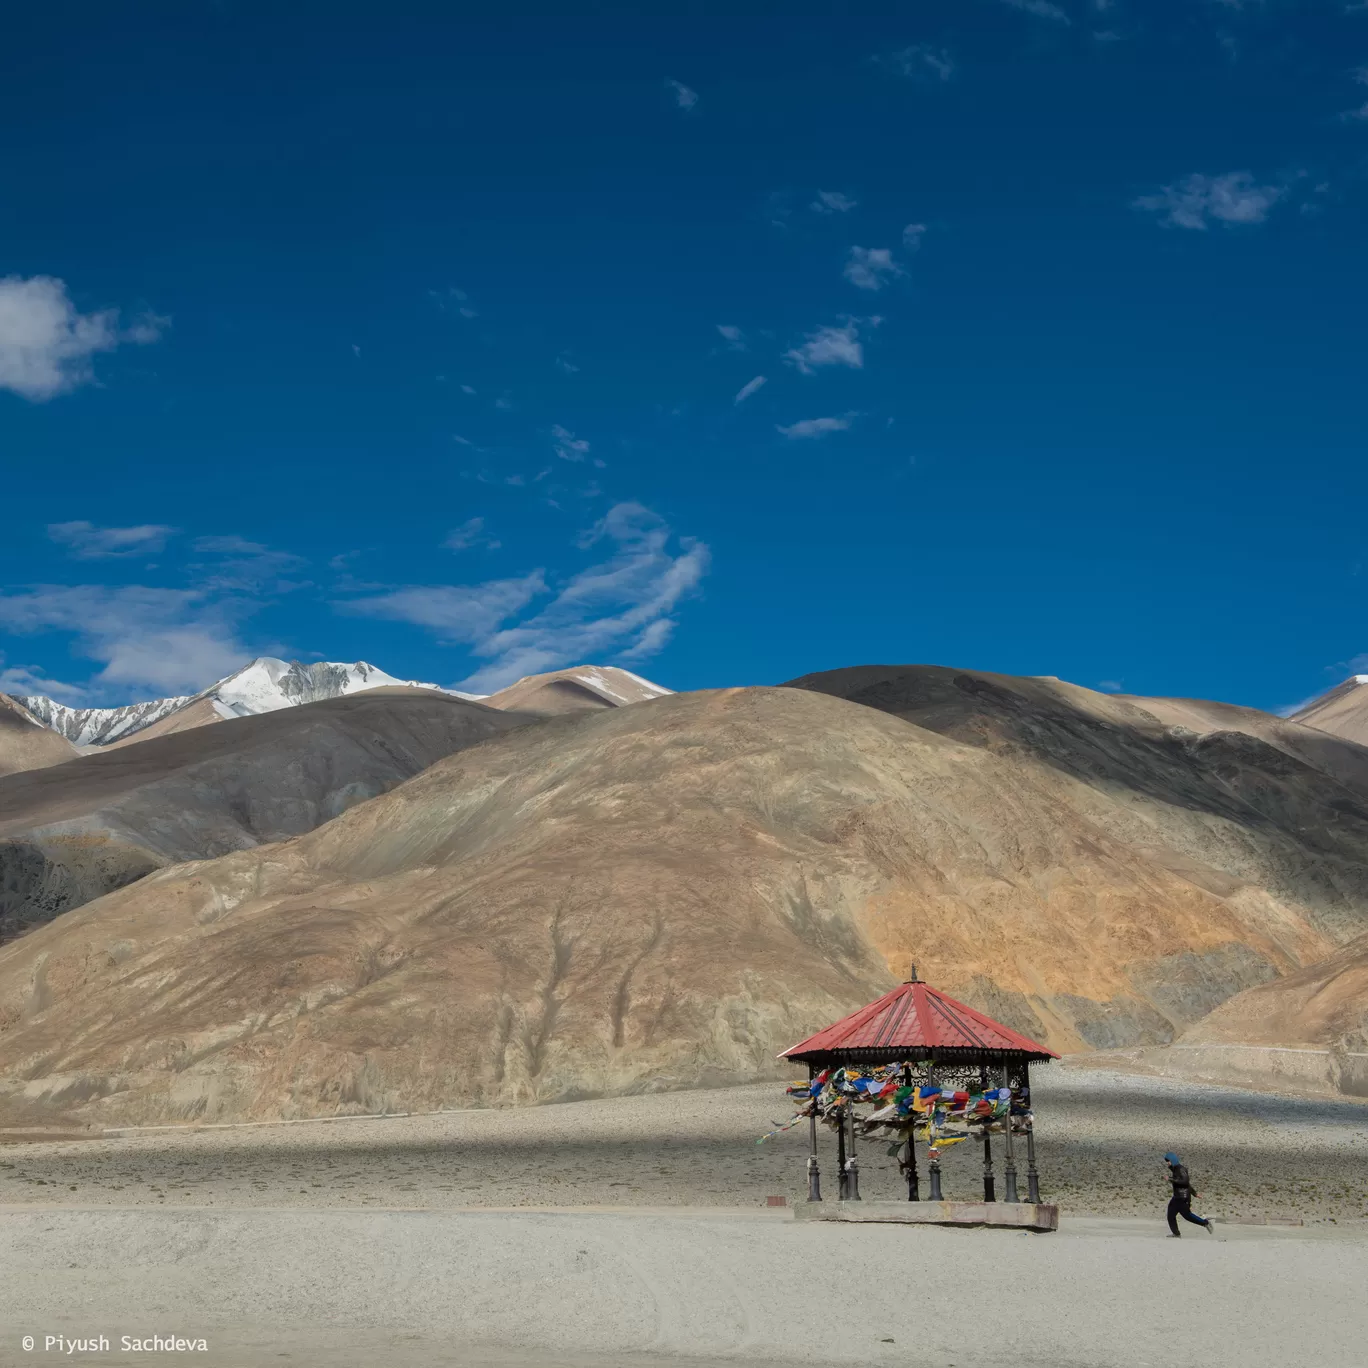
(912, 974)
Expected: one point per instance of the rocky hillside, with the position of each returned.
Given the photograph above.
(1343, 711)
(72, 833)
(663, 897)
(26, 744)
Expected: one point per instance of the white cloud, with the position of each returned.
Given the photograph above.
(912, 236)
(566, 366)
(168, 640)
(567, 446)
(20, 680)
(733, 336)
(468, 389)
(454, 613)
(1199, 200)
(684, 97)
(246, 567)
(651, 642)
(816, 427)
(1042, 9)
(832, 202)
(615, 608)
(921, 62)
(871, 268)
(830, 347)
(470, 535)
(46, 345)
(618, 608)
(88, 542)
(748, 389)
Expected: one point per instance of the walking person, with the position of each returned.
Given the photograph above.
(1180, 1204)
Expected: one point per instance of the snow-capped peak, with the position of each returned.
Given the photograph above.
(266, 685)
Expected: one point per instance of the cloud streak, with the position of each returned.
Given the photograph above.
(748, 389)
(832, 202)
(921, 62)
(808, 428)
(618, 608)
(85, 541)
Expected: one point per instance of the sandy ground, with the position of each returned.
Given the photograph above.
(524, 1289)
(1100, 1134)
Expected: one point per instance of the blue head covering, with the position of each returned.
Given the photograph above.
(1172, 1158)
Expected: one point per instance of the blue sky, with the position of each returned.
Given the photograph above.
(726, 344)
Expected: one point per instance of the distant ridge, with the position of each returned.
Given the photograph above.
(269, 684)
(1343, 711)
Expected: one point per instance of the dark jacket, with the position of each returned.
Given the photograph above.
(1182, 1184)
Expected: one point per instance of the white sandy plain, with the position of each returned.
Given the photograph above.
(632, 1232)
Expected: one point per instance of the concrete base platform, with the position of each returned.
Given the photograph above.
(1009, 1215)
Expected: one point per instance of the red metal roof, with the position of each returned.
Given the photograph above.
(914, 1019)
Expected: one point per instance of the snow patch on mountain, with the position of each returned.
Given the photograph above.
(99, 726)
(266, 685)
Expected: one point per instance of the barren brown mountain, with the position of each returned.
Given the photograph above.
(665, 895)
(25, 744)
(1343, 711)
(71, 833)
(1324, 1006)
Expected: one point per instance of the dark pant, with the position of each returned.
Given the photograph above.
(1182, 1206)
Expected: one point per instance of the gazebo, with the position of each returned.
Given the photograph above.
(937, 1042)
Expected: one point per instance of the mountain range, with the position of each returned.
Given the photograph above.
(268, 685)
(582, 899)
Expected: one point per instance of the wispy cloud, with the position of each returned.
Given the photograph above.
(830, 347)
(457, 614)
(1197, 201)
(567, 446)
(618, 608)
(245, 567)
(471, 535)
(21, 681)
(748, 389)
(871, 268)
(816, 427)
(733, 336)
(832, 202)
(565, 365)
(912, 236)
(921, 62)
(1359, 115)
(684, 97)
(87, 542)
(1042, 9)
(47, 344)
(167, 640)
(452, 299)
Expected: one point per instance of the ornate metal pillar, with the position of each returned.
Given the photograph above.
(1009, 1167)
(842, 1177)
(1032, 1177)
(989, 1189)
(853, 1186)
(814, 1172)
(913, 1182)
(935, 1194)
